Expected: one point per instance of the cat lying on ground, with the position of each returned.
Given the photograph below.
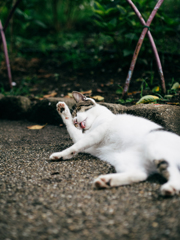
(135, 146)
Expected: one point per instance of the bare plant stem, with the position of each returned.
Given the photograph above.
(2, 30)
(139, 44)
(6, 54)
(10, 14)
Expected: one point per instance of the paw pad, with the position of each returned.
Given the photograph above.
(60, 107)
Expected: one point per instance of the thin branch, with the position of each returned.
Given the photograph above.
(6, 54)
(139, 44)
(10, 14)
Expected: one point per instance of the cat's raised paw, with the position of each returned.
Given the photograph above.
(61, 107)
(63, 110)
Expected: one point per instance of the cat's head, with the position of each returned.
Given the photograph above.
(83, 113)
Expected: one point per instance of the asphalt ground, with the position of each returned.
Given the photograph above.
(41, 199)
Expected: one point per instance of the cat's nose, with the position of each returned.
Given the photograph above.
(75, 121)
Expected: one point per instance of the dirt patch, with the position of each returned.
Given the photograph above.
(41, 199)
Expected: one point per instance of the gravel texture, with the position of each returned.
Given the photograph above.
(41, 199)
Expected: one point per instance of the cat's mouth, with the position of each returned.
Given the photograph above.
(83, 124)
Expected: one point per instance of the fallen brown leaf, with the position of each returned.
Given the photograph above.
(89, 92)
(132, 93)
(46, 75)
(52, 94)
(42, 70)
(99, 90)
(98, 98)
(36, 127)
(35, 60)
(173, 103)
(70, 95)
(33, 89)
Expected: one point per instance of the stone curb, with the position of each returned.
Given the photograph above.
(44, 111)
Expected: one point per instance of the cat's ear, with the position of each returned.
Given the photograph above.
(78, 96)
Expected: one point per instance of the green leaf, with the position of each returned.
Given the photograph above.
(130, 36)
(148, 99)
(110, 10)
(111, 25)
(175, 86)
(100, 24)
(102, 13)
(168, 96)
(113, 22)
(23, 14)
(41, 24)
(156, 89)
(99, 6)
(131, 14)
(119, 91)
(121, 9)
(127, 52)
(133, 23)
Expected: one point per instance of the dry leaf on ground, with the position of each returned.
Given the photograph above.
(34, 127)
(98, 98)
(89, 92)
(133, 93)
(52, 94)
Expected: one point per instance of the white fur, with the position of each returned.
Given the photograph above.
(126, 142)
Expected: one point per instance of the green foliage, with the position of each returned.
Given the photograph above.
(22, 88)
(150, 93)
(128, 100)
(47, 26)
(118, 20)
(144, 86)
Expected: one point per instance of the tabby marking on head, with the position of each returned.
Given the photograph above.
(82, 106)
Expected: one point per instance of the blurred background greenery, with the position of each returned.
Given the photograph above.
(76, 30)
(57, 44)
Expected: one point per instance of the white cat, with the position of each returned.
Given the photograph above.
(135, 146)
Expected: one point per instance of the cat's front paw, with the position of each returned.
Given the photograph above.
(63, 110)
(66, 154)
(55, 156)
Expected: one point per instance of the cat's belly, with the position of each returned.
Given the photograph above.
(124, 158)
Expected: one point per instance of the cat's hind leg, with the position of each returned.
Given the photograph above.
(118, 179)
(129, 168)
(171, 174)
